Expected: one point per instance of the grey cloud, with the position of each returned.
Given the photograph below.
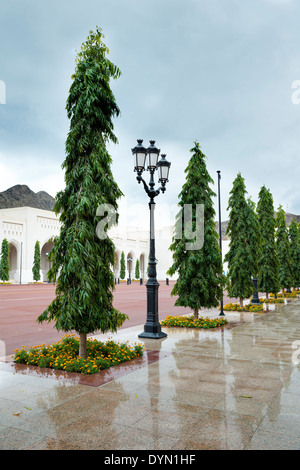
(217, 72)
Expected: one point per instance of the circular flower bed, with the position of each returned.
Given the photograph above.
(190, 322)
(235, 307)
(271, 301)
(286, 294)
(63, 355)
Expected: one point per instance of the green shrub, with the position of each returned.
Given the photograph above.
(63, 355)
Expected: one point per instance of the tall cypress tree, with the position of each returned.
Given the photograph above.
(81, 261)
(122, 266)
(254, 239)
(283, 251)
(243, 232)
(294, 235)
(4, 263)
(197, 260)
(268, 262)
(137, 269)
(36, 262)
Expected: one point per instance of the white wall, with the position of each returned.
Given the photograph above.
(23, 226)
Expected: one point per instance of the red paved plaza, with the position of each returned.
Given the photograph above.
(20, 305)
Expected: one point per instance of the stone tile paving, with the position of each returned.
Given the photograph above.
(236, 387)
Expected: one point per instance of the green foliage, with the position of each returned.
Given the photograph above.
(268, 262)
(294, 235)
(200, 278)
(122, 266)
(235, 307)
(63, 355)
(36, 262)
(81, 262)
(4, 262)
(190, 322)
(271, 301)
(137, 269)
(254, 237)
(283, 250)
(244, 242)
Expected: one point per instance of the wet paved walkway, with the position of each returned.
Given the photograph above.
(237, 387)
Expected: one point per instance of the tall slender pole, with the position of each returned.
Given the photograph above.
(152, 327)
(220, 234)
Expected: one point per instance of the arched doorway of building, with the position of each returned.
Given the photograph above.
(130, 265)
(117, 261)
(14, 269)
(45, 262)
(142, 266)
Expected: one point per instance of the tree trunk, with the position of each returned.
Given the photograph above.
(241, 302)
(267, 295)
(195, 313)
(82, 345)
(282, 291)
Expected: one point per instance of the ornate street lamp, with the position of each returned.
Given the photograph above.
(147, 159)
(129, 261)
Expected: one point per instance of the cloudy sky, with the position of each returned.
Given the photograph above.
(223, 72)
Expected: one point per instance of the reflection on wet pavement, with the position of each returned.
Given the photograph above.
(235, 387)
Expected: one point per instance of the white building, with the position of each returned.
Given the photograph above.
(23, 226)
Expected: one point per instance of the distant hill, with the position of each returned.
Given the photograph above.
(22, 196)
(288, 217)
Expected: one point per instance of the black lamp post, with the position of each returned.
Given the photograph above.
(129, 261)
(255, 298)
(220, 235)
(152, 327)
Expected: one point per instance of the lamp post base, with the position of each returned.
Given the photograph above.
(255, 298)
(221, 314)
(152, 327)
(151, 335)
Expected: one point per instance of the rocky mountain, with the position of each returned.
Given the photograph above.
(21, 196)
(289, 217)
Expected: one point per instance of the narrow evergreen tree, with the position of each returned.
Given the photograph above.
(4, 263)
(242, 229)
(137, 269)
(122, 266)
(200, 272)
(283, 251)
(254, 239)
(82, 261)
(294, 235)
(36, 262)
(268, 262)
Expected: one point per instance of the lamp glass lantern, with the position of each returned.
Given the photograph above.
(152, 153)
(139, 153)
(163, 167)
